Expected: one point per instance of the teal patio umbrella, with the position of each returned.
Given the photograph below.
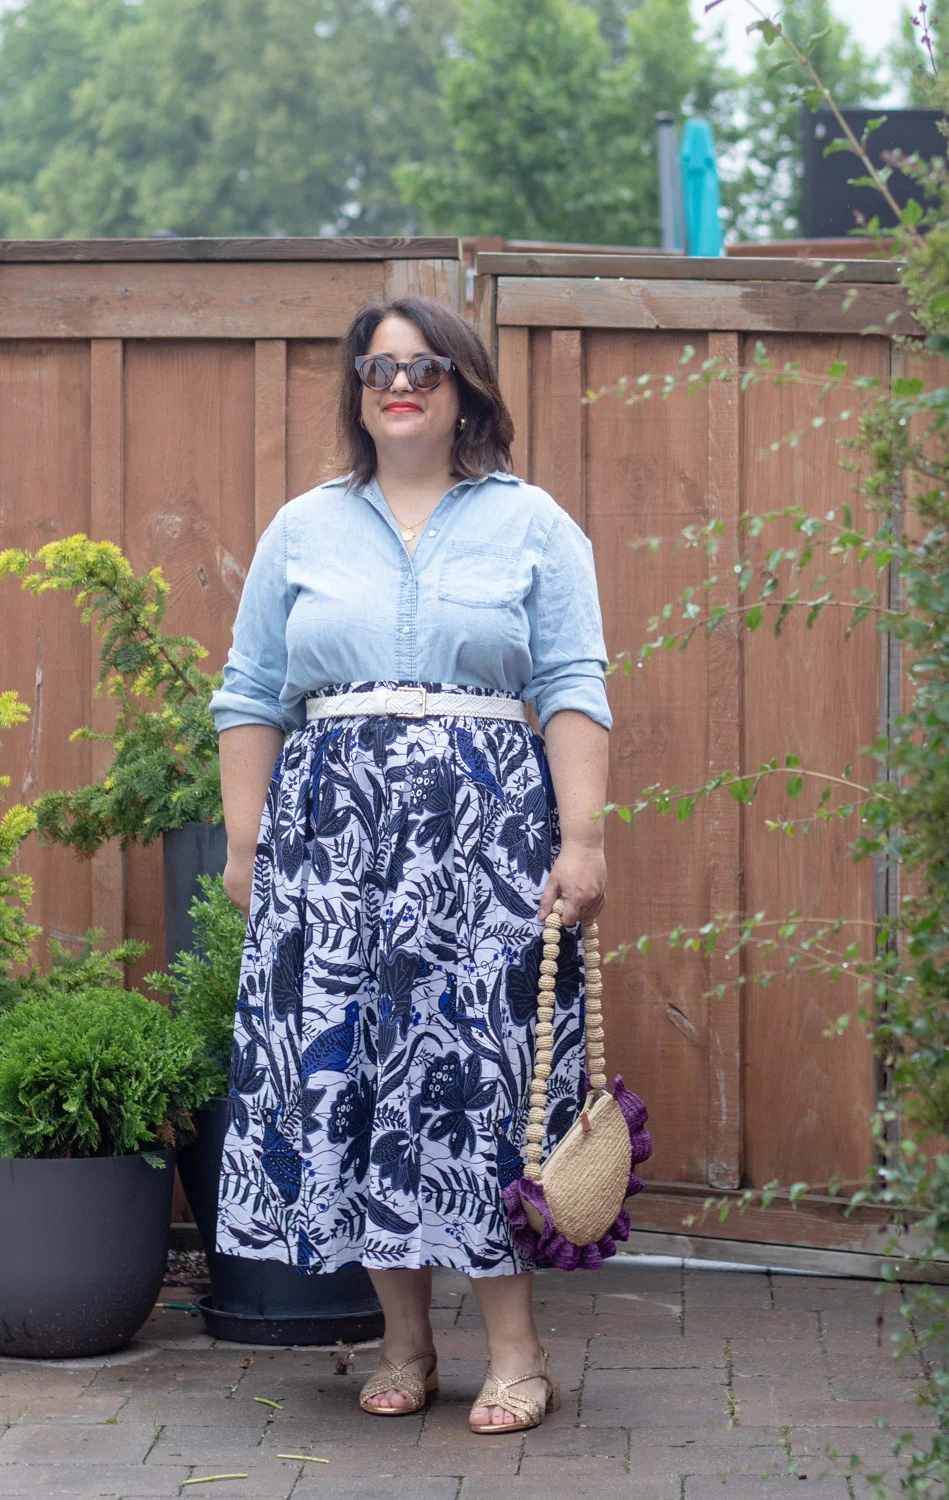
(700, 193)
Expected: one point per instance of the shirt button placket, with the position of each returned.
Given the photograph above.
(405, 628)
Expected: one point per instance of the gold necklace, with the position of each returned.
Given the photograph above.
(408, 532)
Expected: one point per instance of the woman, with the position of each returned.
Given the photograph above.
(397, 853)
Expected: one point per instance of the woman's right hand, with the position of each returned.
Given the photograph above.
(238, 879)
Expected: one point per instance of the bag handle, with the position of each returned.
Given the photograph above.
(595, 1060)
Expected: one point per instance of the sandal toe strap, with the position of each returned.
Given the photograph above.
(395, 1377)
(497, 1392)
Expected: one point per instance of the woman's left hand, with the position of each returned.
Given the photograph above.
(579, 876)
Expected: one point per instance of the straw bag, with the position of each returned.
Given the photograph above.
(568, 1211)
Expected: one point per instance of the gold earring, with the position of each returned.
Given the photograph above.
(462, 423)
(363, 425)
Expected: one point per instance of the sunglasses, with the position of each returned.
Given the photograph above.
(377, 371)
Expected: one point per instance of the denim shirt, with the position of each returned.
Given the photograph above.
(500, 592)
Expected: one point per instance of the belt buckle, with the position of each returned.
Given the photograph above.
(409, 713)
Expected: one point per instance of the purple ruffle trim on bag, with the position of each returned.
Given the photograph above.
(549, 1247)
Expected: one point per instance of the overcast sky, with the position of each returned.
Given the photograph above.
(874, 22)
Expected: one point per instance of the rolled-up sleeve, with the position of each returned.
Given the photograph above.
(568, 652)
(256, 668)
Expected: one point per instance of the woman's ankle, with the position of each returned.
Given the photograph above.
(406, 1340)
(527, 1349)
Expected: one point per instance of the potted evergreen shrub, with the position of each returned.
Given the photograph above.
(95, 1086)
(165, 775)
(251, 1301)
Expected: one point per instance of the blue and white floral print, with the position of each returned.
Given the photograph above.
(384, 1032)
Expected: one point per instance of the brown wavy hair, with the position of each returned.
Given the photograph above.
(484, 444)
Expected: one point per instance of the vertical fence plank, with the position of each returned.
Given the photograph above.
(723, 704)
(106, 459)
(886, 877)
(311, 396)
(514, 377)
(442, 279)
(484, 312)
(270, 430)
(558, 461)
(807, 1095)
(647, 475)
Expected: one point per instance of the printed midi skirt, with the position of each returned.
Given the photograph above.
(384, 1031)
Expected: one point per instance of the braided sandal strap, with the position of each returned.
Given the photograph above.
(497, 1392)
(390, 1377)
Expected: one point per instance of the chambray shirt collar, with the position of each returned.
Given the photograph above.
(372, 493)
(343, 482)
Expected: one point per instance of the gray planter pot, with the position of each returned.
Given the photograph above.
(262, 1301)
(84, 1249)
(187, 852)
(251, 1301)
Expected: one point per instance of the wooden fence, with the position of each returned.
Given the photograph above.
(743, 1087)
(167, 395)
(170, 395)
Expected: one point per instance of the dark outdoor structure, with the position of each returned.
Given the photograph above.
(830, 202)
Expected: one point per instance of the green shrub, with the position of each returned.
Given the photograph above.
(16, 891)
(165, 769)
(102, 1072)
(91, 968)
(204, 983)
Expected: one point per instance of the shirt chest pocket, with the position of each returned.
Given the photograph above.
(482, 575)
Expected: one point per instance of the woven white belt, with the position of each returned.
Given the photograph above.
(413, 703)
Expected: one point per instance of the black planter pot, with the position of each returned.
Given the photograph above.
(83, 1252)
(263, 1301)
(187, 852)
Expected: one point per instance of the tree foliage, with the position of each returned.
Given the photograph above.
(528, 118)
(762, 194)
(48, 49)
(552, 137)
(215, 117)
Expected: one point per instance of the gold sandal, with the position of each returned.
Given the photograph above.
(389, 1376)
(526, 1411)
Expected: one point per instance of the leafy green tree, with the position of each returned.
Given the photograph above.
(762, 193)
(613, 16)
(228, 117)
(521, 100)
(551, 138)
(48, 49)
(689, 77)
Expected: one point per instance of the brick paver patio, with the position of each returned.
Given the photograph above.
(678, 1384)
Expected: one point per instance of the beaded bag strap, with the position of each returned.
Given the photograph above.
(544, 1045)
